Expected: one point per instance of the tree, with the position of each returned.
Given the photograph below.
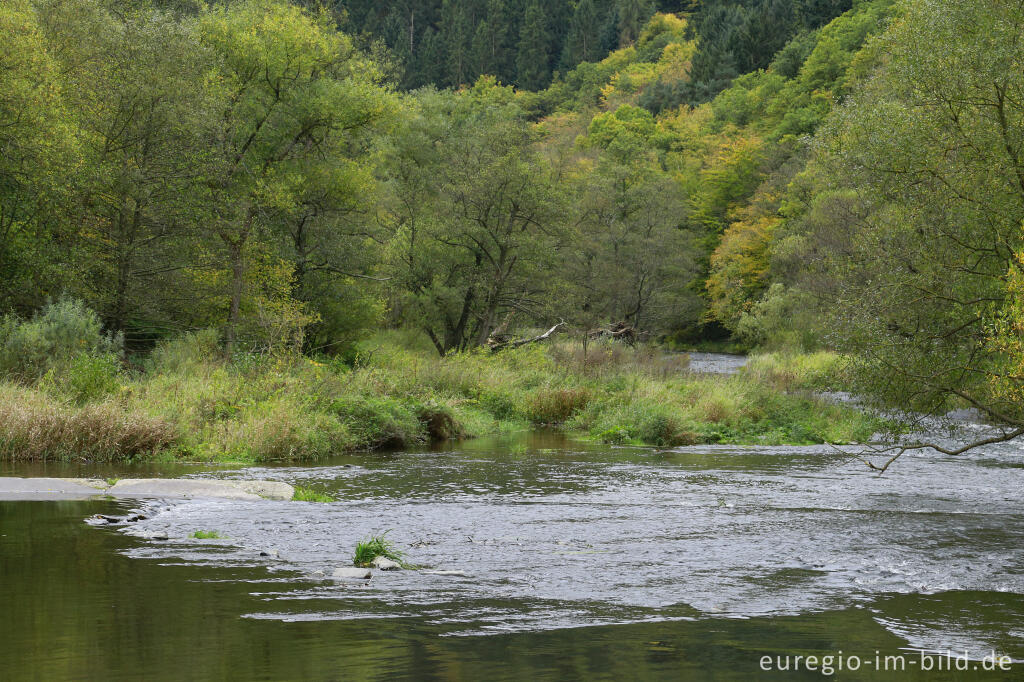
(633, 260)
(457, 30)
(141, 118)
(532, 59)
(290, 85)
(491, 49)
(926, 165)
(583, 41)
(476, 216)
(633, 14)
(37, 147)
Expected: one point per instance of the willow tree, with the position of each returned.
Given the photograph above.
(634, 261)
(290, 84)
(476, 216)
(924, 171)
(37, 145)
(140, 111)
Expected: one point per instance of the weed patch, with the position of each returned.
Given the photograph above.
(208, 535)
(376, 546)
(309, 495)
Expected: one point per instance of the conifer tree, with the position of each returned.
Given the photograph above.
(458, 38)
(583, 42)
(633, 14)
(532, 58)
(490, 43)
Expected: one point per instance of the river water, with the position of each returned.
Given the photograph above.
(559, 560)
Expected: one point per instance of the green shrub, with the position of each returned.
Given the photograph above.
(379, 422)
(616, 435)
(57, 334)
(188, 350)
(439, 422)
(499, 403)
(86, 378)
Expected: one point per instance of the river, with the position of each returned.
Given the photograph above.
(559, 560)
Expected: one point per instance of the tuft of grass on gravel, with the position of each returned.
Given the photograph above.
(309, 495)
(373, 547)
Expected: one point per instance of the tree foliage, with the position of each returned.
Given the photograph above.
(925, 164)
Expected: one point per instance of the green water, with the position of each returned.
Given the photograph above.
(583, 562)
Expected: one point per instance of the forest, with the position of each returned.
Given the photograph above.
(282, 181)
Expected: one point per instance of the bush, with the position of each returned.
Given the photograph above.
(57, 334)
(500, 404)
(439, 422)
(278, 429)
(189, 350)
(379, 422)
(85, 378)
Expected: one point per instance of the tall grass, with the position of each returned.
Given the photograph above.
(818, 371)
(35, 426)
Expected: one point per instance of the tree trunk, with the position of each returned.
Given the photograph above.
(522, 342)
(125, 262)
(236, 256)
(237, 286)
(437, 342)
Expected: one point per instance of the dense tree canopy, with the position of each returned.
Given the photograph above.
(246, 166)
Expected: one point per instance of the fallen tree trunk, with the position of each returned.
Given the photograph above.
(505, 345)
(619, 331)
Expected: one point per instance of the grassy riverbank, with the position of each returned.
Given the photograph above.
(186, 402)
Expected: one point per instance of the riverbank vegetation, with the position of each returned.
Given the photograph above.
(247, 193)
(186, 400)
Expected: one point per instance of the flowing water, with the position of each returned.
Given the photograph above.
(540, 558)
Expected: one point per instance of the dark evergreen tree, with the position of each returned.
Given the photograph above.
(559, 16)
(491, 50)
(583, 41)
(431, 61)
(456, 27)
(532, 57)
(633, 14)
